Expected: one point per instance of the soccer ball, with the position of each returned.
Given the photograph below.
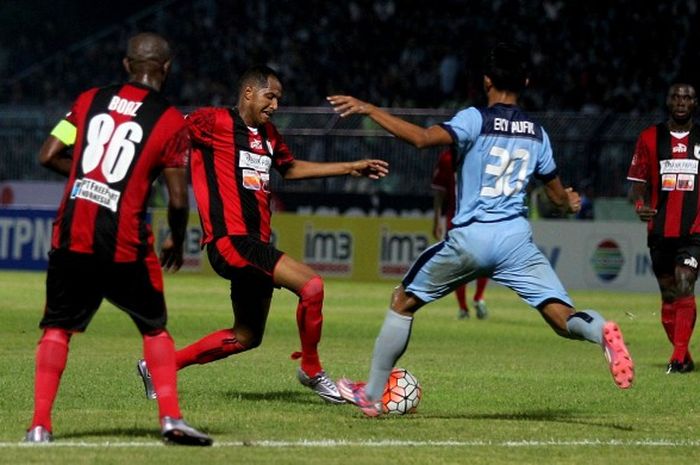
(402, 393)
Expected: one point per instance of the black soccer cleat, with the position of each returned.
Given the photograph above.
(177, 431)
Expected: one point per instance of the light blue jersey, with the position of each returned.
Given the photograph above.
(499, 149)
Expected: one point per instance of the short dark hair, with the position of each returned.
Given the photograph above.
(256, 75)
(508, 67)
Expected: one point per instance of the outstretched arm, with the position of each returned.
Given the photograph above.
(417, 136)
(566, 200)
(373, 169)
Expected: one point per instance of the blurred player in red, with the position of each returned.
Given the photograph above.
(123, 137)
(443, 185)
(664, 175)
(235, 149)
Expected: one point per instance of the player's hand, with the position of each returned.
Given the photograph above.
(373, 169)
(170, 255)
(645, 212)
(347, 105)
(574, 200)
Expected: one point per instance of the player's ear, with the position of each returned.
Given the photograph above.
(127, 65)
(166, 67)
(248, 92)
(488, 84)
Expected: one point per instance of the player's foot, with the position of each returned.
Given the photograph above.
(675, 366)
(177, 431)
(482, 310)
(38, 435)
(355, 394)
(145, 375)
(322, 385)
(619, 359)
(463, 314)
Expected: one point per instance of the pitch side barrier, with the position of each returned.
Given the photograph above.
(586, 255)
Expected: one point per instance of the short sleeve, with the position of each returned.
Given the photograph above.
(545, 167)
(639, 168)
(176, 153)
(282, 157)
(464, 127)
(202, 124)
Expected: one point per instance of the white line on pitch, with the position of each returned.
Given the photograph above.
(339, 443)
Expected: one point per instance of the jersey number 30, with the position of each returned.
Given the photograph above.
(120, 146)
(502, 172)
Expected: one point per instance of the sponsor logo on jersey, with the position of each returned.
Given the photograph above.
(668, 182)
(254, 161)
(96, 192)
(680, 148)
(685, 182)
(607, 260)
(679, 166)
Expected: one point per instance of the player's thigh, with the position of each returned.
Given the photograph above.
(248, 265)
(137, 289)
(73, 290)
(236, 252)
(528, 272)
(440, 269)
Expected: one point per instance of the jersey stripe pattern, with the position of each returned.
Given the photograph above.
(670, 166)
(231, 173)
(126, 135)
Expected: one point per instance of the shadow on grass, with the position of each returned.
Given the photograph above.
(288, 397)
(561, 416)
(127, 433)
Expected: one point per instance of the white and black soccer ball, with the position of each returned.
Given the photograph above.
(402, 393)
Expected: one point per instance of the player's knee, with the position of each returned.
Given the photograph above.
(56, 335)
(158, 334)
(404, 303)
(312, 290)
(248, 339)
(685, 281)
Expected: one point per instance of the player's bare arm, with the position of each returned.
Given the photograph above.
(645, 212)
(54, 156)
(418, 136)
(370, 168)
(566, 200)
(171, 252)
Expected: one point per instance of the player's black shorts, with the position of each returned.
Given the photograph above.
(666, 253)
(247, 262)
(76, 283)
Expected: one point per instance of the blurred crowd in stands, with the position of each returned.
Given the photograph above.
(590, 57)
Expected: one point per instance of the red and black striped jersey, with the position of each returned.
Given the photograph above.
(231, 172)
(444, 180)
(669, 163)
(125, 136)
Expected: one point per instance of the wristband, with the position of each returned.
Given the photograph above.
(638, 205)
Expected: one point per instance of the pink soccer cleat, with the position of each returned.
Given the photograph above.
(355, 394)
(619, 359)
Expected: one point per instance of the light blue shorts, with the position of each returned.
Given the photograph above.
(502, 250)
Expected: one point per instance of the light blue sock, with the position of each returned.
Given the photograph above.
(586, 324)
(389, 346)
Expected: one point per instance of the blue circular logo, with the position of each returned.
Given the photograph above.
(607, 260)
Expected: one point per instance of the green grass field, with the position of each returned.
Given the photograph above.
(500, 391)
